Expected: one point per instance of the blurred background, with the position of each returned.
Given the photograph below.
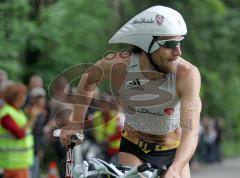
(41, 38)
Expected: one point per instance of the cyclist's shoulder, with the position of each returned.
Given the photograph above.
(188, 78)
(187, 69)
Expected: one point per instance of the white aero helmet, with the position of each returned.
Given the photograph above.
(154, 21)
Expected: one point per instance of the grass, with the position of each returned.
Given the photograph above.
(231, 148)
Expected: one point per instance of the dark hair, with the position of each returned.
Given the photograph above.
(136, 49)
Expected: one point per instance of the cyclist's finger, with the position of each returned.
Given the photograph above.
(77, 137)
(65, 141)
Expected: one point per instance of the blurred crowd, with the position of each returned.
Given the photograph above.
(209, 149)
(28, 117)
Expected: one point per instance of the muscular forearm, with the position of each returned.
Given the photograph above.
(79, 113)
(86, 92)
(189, 140)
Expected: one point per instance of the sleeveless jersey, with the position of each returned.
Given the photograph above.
(151, 106)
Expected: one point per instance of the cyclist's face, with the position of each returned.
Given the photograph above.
(166, 58)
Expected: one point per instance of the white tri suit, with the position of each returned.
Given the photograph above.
(151, 107)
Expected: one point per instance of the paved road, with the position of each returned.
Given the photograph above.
(229, 168)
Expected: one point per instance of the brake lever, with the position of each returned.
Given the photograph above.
(69, 155)
(74, 138)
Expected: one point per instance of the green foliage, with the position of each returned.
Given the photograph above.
(231, 149)
(71, 32)
(14, 31)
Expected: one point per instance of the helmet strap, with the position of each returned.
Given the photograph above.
(150, 56)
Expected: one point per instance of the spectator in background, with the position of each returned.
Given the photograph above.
(209, 135)
(16, 143)
(38, 99)
(107, 127)
(59, 113)
(219, 126)
(93, 107)
(3, 78)
(35, 82)
(3, 75)
(3, 85)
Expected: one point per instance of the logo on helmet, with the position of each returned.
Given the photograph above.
(142, 20)
(159, 19)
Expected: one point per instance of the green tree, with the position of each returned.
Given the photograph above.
(70, 33)
(14, 31)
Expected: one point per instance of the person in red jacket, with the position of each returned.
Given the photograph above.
(14, 97)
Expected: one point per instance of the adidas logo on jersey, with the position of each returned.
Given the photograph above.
(136, 84)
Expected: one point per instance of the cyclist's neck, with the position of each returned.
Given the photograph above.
(147, 69)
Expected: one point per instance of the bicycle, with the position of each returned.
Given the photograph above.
(100, 167)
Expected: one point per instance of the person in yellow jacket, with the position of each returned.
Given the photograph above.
(107, 128)
(16, 141)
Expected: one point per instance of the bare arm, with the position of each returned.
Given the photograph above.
(189, 88)
(86, 88)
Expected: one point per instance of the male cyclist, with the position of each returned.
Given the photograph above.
(158, 90)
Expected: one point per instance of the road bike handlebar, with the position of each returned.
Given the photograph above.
(81, 170)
